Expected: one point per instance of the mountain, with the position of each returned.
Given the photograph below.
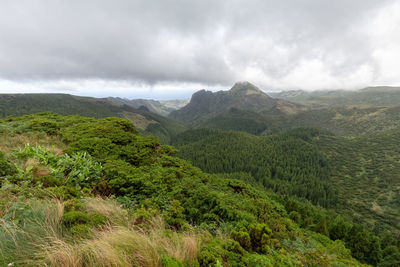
(381, 96)
(243, 95)
(163, 107)
(64, 104)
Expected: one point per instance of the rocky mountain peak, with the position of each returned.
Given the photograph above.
(245, 87)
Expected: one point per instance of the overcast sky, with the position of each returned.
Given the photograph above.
(166, 49)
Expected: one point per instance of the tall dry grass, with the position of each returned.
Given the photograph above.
(118, 243)
(29, 228)
(12, 142)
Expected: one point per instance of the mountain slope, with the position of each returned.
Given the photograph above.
(243, 95)
(382, 96)
(366, 174)
(64, 104)
(284, 163)
(344, 121)
(159, 107)
(359, 176)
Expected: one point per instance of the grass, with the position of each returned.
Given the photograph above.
(9, 142)
(35, 236)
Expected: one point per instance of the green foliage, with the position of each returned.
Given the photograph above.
(174, 216)
(145, 177)
(285, 163)
(78, 169)
(6, 168)
(243, 238)
(215, 252)
(168, 261)
(47, 126)
(256, 238)
(75, 217)
(369, 163)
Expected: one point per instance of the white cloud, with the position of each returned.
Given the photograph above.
(155, 49)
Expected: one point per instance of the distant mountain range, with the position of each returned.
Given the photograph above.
(147, 122)
(205, 105)
(244, 108)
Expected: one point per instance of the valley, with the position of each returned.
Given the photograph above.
(296, 166)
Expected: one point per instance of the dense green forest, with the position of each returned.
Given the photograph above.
(343, 121)
(366, 175)
(83, 191)
(285, 163)
(355, 176)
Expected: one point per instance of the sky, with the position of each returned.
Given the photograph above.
(166, 49)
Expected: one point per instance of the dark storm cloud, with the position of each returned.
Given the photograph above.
(207, 42)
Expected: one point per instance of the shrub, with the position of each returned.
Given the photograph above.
(44, 125)
(6, 168)
(75, 217)
(243, 238)
(168, 261)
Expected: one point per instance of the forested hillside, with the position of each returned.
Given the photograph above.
(342, 121)
(380, 96)
(148, 123)
(358, 177)
(82, 191)
(285, 163)
(367, 176)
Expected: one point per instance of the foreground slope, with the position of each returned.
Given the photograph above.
(155, 209)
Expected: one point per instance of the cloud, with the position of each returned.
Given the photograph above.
(308, 44)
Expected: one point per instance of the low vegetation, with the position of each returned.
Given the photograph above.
(93, 192)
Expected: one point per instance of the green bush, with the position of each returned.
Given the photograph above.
(71, 218)
(243, 238)
(6, 167)
(97, 219)
(168, 261)
(43, 125)
(228, 251)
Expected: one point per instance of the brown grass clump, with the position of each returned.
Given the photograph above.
(120, 246)
(12, 142)
(118, 243)
(111, 209)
